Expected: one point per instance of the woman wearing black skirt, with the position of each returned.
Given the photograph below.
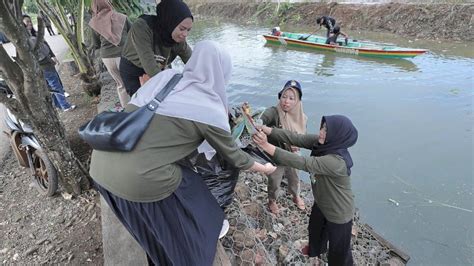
(167, 208)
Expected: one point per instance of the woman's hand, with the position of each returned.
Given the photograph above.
(143, 79)
(264, 129)
(295, 149)
(260, 138)
(269, 168)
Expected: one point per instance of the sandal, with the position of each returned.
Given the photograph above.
(299, 203)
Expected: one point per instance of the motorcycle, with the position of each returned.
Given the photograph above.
(28, 151)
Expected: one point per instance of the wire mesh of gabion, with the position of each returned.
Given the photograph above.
(257, 237)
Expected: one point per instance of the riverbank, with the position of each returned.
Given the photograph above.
(256, 236)
(68, 230)
(452, 22)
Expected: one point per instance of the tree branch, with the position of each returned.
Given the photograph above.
(39, 34)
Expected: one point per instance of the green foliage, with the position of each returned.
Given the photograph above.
(281, 11)
(244, 124)
(30, 7)
(132, 8)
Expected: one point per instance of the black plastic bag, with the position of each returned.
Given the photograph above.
(219, 175)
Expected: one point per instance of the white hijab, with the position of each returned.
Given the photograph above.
(200, 95)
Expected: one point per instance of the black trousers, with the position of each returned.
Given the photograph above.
(336, 31)
(130, 75)
(321, 231)
(50, 30)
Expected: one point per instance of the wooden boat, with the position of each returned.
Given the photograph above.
(354, 47)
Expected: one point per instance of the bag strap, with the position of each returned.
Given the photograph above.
(164, 92)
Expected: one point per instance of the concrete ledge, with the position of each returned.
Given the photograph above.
(119, 247)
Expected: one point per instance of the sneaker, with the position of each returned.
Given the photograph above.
(66, 94)
(70, 108)
(224, 229)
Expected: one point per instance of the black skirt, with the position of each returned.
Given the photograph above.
(130, 75)
(181, 229)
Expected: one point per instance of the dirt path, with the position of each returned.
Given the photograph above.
(59, 47)
(58, 230)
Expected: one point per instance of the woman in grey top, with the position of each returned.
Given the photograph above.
(168, 208)
(330, 168)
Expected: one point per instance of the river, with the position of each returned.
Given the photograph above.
(413, 163)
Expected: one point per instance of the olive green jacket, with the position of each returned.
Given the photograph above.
(141, 47)
(150, 171)
(331, 184)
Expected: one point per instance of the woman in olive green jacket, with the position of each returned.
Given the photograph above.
(110, 32)
(154, 42)
(167, 207)
(330, 168)
(287, 114)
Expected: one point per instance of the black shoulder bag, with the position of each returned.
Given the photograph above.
(120, 131)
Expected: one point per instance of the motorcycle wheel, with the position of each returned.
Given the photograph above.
(45, 176)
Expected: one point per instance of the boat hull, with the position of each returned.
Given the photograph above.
(380, 53)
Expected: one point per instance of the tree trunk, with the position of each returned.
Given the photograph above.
(33, 103)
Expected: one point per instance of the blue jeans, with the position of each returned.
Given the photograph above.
(56, 86)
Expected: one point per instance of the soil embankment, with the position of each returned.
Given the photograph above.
(427, 21)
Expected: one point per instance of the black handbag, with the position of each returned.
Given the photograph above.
(120, 131)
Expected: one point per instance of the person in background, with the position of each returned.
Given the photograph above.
(154, 42)
(328, 22)
(287, 114)
(333, 30)
(330, 168)
(276, 31)
(110, 32)
(47, 23)
(168, 208)
(335, 34)
(48, 61)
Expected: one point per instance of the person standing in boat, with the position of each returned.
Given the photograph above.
(330, 167)
(287, 114)
(154, 42)
(333, 30)
(332, 39)
(328, 22)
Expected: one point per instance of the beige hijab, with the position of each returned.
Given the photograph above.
(295, 119)
(106, 21)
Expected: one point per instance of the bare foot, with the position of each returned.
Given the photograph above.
(305, 250)
(299, 203)
(272, 205)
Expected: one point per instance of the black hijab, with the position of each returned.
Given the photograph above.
(169, 13)
(341, 134)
